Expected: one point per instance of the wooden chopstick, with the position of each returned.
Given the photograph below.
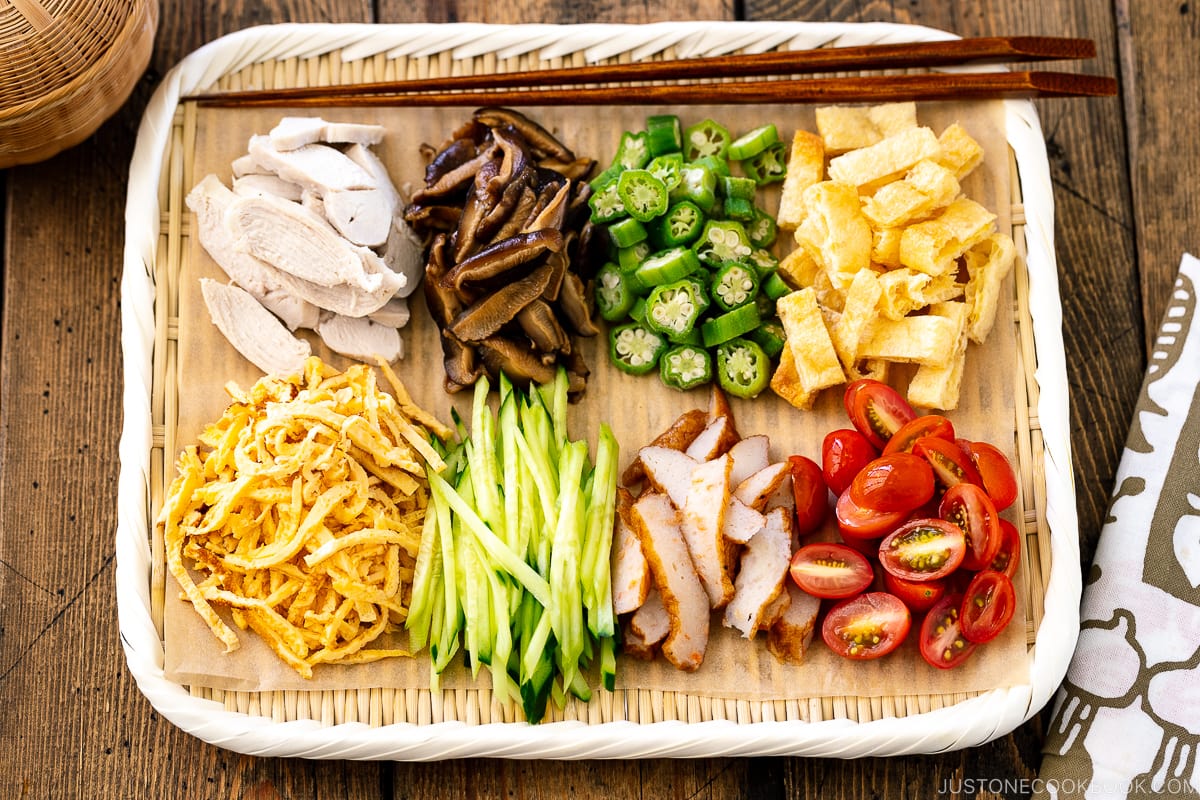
(984, 50)
(868, 88)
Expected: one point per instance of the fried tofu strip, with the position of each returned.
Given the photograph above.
(657, 525)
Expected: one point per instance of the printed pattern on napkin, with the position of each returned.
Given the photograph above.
(1126, 721)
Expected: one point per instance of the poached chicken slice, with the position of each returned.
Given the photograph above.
(252, 330)
(657, 525)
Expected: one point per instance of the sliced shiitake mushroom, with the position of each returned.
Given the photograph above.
(519, 362)
(539, 323)
(573, 300)
(496, 309)
(541, 141)
(503, 256)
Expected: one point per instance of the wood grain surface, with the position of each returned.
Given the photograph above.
(72, 722)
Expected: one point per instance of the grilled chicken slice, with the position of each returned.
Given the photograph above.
(657, 525)
(749, 456)
(714, 440)
(764, 566)
(760, 487)
(668, 471)
(703, 520)
(252, 330)
(629, 571)
(682, 432)
(791, 633)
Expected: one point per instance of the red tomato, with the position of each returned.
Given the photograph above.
(877, 410)
(857, 522)
(868, 626)
(896, 482)
(987, 607)
(843, 454)
(927, 425)
(995, 472)
(919, 596)
(831, 570)
(923, 550)
(810, 493)
(951, 466)
(942, 643)
(969, 507)
(1008, 557)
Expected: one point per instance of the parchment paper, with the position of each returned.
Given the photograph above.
(636, 408)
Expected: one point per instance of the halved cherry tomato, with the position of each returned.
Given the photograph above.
(1008, 557)
(843, 454)
(969, 507)
(876, 409)
(923, 550)
(919, 596)
(810, 493)
(927, 425)
(868, 626)
(831, 570)
(857, 522)
(941, 640)
(995, 472)
(951, 466)
(987, 607)
(896, 482)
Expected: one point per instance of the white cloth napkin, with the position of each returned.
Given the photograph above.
(1126, 722)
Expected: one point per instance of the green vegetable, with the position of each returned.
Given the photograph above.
(680, 226)
(706, 138)
(761, 229)
(667, 168)
(686, 366)
(605, 202)
(634, 348)
(721, 241)
(513, 561)
(698, 184)
(774, 286)
(741, 188)
(643, 195)
(626, 232)
(630, 258)
(614, 298)
(743, 369)
(769, 166)
(754, 142)
(770, 336)
(673, 308)
(730, 325)
(735, 284)
(738, 209)
(664, 267)
(633, 152)
(664, 134)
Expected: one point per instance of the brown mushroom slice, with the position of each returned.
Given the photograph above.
(473, 213)
(514, 161)
(554, 213)
(460, 363)
(503, 218)
(538, 322)
(444, 305)
(575, 170)
(496, 309)
(450, 157)
(503, 256)
(456, 178)
(573, 302)
(541, 141)
(426, 218)
(518, 362)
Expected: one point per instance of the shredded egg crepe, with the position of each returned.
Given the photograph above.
(300, 511)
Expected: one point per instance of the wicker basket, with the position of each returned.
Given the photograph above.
(66, 67)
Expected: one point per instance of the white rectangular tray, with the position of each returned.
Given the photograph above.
(281, 724)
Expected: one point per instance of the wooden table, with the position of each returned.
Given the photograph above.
(72, 722)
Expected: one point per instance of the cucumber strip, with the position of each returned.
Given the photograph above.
(534, 583)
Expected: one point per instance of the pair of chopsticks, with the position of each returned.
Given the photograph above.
(673, 82)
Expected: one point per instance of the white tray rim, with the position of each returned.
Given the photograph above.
(965, 724)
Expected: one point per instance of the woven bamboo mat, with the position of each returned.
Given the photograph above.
(378, 707)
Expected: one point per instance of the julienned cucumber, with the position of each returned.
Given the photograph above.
(513, 566)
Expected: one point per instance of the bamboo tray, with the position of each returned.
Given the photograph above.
(416, 724)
